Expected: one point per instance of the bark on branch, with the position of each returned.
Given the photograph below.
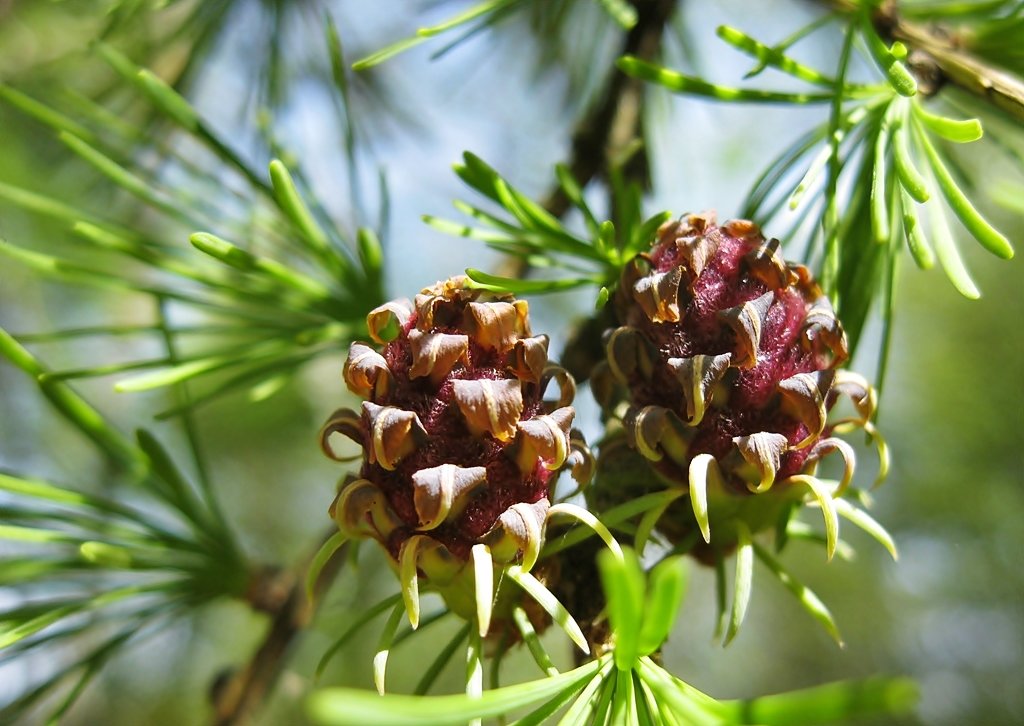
(949, 57)
(239, 696)
(961, 68)
(615, 121)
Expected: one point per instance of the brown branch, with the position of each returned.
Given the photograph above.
(962, 68)
(238, 696)
(600, 142)
(943, 56)
(615, 121)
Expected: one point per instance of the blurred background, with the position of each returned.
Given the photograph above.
(949, 613)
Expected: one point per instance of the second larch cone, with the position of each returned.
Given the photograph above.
(728, 356)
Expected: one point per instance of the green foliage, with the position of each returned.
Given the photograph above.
(481, 16)
(625, 685)
(157, 547)
(124, 568)
(263, 316)
(540, 240)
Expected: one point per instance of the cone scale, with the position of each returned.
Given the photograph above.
(460, 448)
(727, 360)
